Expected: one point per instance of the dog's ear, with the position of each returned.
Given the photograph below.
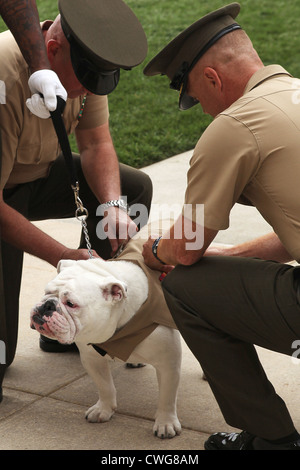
(114, 291)
(65, 263)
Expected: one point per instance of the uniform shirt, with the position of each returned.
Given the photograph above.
(30, 144)
(251, 153)
(152, 313)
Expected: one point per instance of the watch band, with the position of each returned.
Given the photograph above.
(116, 203)
(154, 249)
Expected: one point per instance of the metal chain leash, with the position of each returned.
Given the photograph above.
(82, 214)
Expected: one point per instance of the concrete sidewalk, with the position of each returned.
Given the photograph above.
(46, 395)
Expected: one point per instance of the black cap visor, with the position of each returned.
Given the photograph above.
(96, 80)
(185, 100)
(179, 83)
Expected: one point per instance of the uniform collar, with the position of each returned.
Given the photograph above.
(264, 74)
(45, 25)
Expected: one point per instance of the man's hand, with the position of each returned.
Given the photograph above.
(44, 82)
(150, 259)
(80, 254)
(118, 227)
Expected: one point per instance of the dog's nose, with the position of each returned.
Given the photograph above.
(44, 310)
(47, 308)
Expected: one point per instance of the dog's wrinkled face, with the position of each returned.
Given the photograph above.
(52, 319)
(79, 302)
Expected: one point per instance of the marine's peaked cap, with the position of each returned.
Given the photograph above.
(105, 35)
(193, 42)
(107, 29)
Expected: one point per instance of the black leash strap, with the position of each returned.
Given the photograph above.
(63, 139)
(81, 212)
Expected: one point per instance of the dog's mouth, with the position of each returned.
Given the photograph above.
(48, 319)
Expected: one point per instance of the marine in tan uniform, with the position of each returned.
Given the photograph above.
(23, 20)
(225, 301)
(34, 179)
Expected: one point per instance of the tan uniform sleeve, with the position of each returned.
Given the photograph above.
(95, 112)
(225, 159)
(11, 124)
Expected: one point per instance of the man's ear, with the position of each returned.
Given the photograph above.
(53, 47)
(212, 76)
(113, 290)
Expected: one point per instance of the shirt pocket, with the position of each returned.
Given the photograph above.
(39, 144)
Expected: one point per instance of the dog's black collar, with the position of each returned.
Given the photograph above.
(99, 350)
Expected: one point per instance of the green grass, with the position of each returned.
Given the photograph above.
(145, 122)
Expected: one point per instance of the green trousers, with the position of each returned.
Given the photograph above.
(223, 306)
(53, 198)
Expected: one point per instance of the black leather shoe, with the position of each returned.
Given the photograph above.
(51, 345)
(229, 441)
(261, 444)
(245, 441)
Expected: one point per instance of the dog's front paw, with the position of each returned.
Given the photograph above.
(99, 413)
(166, 426)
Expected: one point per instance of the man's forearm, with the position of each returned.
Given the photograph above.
(102, 174)
(267, 247)
(175, 248)
(99, 162)
(22, 18)
(19, 232)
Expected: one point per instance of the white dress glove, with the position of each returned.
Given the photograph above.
(47, 83)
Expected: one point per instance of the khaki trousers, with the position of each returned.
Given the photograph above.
(53, 198)
(223, 307)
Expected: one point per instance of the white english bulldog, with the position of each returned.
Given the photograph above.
(90, 302)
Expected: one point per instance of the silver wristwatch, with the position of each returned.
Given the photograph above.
(120, 203)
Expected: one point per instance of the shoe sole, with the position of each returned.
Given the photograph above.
(57, 347)
(208, 446)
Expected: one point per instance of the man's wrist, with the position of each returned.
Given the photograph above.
(155, 248)
(120, 203)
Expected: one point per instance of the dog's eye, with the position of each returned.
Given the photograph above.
(69, 304)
